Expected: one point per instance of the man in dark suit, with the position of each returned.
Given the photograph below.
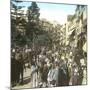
(63, 75)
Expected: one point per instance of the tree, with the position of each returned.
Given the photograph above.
(33, 22)
(17, 22)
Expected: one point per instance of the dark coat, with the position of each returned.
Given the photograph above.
(63, 77)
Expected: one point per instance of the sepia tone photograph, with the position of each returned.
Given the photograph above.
(48, 44)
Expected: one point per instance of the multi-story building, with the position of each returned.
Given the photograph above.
(81, 15)
(77, 28)
(77, 38)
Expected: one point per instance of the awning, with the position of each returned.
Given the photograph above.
(70, 32)
(84, 47)
(71, 36)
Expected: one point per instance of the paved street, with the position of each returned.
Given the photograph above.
(27, 83)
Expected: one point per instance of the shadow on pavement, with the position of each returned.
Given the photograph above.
(26, 80)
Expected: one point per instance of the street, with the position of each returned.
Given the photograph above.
(27, 83)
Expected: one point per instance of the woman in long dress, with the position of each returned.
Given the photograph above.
(34, 75)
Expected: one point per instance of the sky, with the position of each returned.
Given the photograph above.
(53, 12)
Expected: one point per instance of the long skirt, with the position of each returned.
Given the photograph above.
(34, 80)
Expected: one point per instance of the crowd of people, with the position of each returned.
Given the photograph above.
(45, 72)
